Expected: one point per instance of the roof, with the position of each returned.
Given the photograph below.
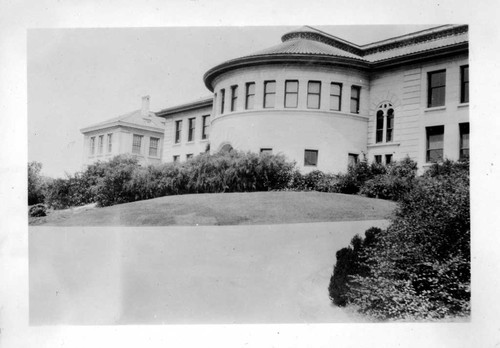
(311, 45)
(131, 119)
(197, 104)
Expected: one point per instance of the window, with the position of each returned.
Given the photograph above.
(189, 156)
(464, 140)
(335, 96)
(378, 159)
(110, 142)
(92, 145)
(269, 94)
(435, 136)
(389, 125)
(291, 94)
(310, 157)
(153, 146)
(178, 129)
(266, 150)
(191, 124)
(464, 84)
(204, 131)
(234, 97)
(176, 158)
(222, 99)
(250, 95)
(136, 144)
(388, 159)
(384, 131)
(352, 159)
(436, 88)
(313, 94)
(355, 96)
(100, 145)
(380, 127)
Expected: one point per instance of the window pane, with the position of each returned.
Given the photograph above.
(355, 92)
(438, 79)
(251, 88)
(436, 141)
(310, 157)
(314, 87)
(269, 101)
(250, 102)
(270, 87)
(354, 106)
(437, 96)
(291, 101)
(313, 101)
(292, 86)
(335, 89)
(335, 102)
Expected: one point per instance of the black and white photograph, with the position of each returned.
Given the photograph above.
(195, 179)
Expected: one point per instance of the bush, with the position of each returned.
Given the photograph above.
(419, 268)
(36, 184)
(38, 210)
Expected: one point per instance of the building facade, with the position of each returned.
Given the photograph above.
(325, 102)
(139, 133)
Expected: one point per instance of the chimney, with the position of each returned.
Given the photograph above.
(145, 106)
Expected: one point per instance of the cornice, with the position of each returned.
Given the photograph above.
(208, 102)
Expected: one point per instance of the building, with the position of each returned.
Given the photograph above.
(325, 102)
(139, 133)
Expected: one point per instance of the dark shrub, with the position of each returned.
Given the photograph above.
(419, 268)
(36, 184)
(349, 264)
(38, 210)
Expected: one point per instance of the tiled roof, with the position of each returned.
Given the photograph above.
(305, 46)
(134, 118)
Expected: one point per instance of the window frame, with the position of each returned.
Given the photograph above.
(222, 100)
(100, 144)
(379, 131)
(191, 128)
(178, 132)
(389, 131)
(464, 85)
(249, 95)
(431, 88)
(151, 142)
(266, 94)
(189, 156)
(388, 158)
(136, 150)
(92, 145)
(309, 93)
(339, 96)
(287, 93)
(316, 153)
(205, 125)
(234, 97)
(110, 142)
(377, 159)
(428, 131)
(355, 156)
(266, 150)
(175, 158)
(356, 99)
(464, 128)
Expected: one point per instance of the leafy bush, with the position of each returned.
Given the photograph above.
(69, 192)
(38, 210)
(36, 184)
(419, 268)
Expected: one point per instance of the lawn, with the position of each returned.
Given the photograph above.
(258, 208)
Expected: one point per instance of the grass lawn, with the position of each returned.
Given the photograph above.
(256, 208)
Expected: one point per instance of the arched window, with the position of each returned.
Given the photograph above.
(384, 123)
(226, 148)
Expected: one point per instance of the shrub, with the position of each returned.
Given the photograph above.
(38, 210)
(69, 192)
(36, 184)
(419, 268)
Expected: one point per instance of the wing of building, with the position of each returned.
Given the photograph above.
(325, 102)
(139, 133)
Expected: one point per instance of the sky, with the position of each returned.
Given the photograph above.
(78, 77)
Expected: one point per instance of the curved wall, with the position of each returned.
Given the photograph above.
(290, 131)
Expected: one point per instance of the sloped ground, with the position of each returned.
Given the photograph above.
(187, 275)
(227, 209)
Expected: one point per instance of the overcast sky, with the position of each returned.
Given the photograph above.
(77, 77)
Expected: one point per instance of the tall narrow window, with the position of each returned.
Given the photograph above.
(313, 94)
(388, 159)
(92, 145)
(355, 96)
(269, 94)
(250, 95)
(335, 96)
(464, 140)
(136, 144)
(380, 127)
(100, 145)
(436, 88)
(222, 100)
(234, 97)
(291, 94)
(178, 129)
(464, 84)
(153, 146)
(389, 125)
(110, 142)
(191, 124)
(204, 131)
(310, 157)
(175, 158)
(435, 136)
(378, 159)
